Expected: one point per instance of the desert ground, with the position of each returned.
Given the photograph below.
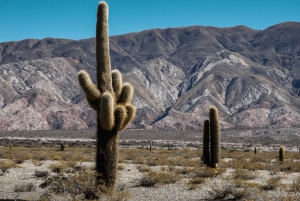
(33, 167)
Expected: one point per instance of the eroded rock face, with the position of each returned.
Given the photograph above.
(251, 76)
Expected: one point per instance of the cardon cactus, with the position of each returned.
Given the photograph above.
(214, 136)
(206, 152)
(281, 154)
(111, 98)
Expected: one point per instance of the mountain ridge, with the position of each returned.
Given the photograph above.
(178, 73)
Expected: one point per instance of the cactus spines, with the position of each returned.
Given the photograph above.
(214, 136)
(206, 154)
(281, 154)
(112, 101)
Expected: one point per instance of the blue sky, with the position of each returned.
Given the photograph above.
(75, 19)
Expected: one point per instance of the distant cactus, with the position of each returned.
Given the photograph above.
(211, 139)
(214, 136)
(281, 154)
(62, 147)
(255, 150)
(206, 153)
(111, 98)
(150, 146)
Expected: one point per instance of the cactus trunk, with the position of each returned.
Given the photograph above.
(106, 157)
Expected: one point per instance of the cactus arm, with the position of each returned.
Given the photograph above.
(106, 116)
(120, 116)
(89, 88)
(117, 83)
(126, 94)
(130, 111)
(102, 50)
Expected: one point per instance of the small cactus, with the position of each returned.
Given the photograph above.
(281, 154)
(214, 136)
(255, 150)
(206, 153)
(62, 147)
(211, 139)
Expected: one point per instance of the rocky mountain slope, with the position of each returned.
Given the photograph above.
(252, 76)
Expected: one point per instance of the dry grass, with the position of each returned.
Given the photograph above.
(161, 167)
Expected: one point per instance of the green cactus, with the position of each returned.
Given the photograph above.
(281, 154)
(111, 98)
(206, 153)
(214, 137)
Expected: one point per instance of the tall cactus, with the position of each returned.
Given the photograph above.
(214, 136)
(206, 153)
(111, 98)
(281, 154)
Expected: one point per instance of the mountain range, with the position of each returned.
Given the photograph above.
(251, 76)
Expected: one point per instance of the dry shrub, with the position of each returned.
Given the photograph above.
(41, 173)
(29, 187)
(70, 164)
(152, 178)
(144, 168)
(21, 157)
(295, 186)
(36, 162)
(224, 190)
(290, 166)
(83, 186)
(7, 164)
(271, 184)
(121, 167)
(196, 180)
(57, 167)
(244, 174)
(205, 172)
(185, 170)
(57, 158)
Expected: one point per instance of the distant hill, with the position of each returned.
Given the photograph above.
(252, 76)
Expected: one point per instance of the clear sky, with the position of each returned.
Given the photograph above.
(76, 19)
